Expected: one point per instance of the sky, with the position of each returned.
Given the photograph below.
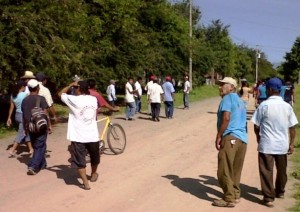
(269, 25)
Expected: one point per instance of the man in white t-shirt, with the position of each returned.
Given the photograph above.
(111, 93)
(274, 126)
(186, 91)
(148, 86)
(138, 94)
(44, 91)
(129, 99)
(155, 93)
(82, 129)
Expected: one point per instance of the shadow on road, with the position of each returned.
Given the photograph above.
(201, 189)
(66, 173)
(194, 187)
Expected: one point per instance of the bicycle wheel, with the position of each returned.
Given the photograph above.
(116, 138)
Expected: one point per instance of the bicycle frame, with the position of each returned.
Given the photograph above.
(105, 126)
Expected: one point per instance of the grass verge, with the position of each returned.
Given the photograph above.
(296, 155)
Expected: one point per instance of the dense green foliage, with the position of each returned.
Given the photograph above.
(291, 67)
(107, 39)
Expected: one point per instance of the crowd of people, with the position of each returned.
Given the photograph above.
(274, 125)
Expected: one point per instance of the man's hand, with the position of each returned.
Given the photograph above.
(218, 142)
(291, 149)
(50, 129)
(8, 123)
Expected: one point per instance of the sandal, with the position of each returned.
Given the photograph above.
(223, 203)
(94, 177)
(12, 155)
(85, 187)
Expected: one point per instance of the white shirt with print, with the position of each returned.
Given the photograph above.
(155, 92)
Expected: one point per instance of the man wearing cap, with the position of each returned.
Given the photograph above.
(169, 91)
(154, 94)
(44, 91)
(82, 129)
(231, 142)
(274, 126)
(38, 140)
(111, 93)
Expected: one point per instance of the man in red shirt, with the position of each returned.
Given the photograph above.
(101, 101)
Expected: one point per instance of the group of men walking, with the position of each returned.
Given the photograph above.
(274, 126)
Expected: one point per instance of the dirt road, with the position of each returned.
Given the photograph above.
(169, 165)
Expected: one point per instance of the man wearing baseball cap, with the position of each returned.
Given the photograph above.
(231, 142)
(274, 126)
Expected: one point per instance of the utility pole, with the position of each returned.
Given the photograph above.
(191, 52)
(257, 56)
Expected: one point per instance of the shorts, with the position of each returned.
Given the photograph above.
(79, 151)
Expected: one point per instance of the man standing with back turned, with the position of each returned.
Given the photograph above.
(274, 126)
(231, 142)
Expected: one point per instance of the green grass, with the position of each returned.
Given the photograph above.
(7, 131)
(296, 156)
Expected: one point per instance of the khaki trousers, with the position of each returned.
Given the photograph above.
(230, 164)
(266, 164)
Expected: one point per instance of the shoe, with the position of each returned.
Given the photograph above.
(31, 171)
(268, 204)
(280, 196)
(85, 187)
(157, 119)
(95, 177)
(223, 203)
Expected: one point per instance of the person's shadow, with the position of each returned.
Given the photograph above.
(66, 173)
(194, 187)
(201, 189)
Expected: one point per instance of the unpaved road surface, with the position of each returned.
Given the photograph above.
(169, 165)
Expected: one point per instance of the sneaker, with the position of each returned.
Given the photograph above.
(223, 203)
(31, 171)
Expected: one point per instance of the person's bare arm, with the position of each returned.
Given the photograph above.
(292, 132)
(223, 127)
(11, 109)
(52, 110)
(65, 89)
(49, 122)
(256, 131)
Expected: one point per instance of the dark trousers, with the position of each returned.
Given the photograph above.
(155, 110)
(169, 109)
(266, 164)
(39, 145)
(186, 100)
(138, 104)
(230, 164)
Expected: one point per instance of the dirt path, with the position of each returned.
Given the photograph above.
(167, 166)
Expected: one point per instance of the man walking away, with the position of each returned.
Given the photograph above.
(231, 142)
(289, 96)
(148, 86)
(38, 140)
(44, 91)
(82, 129)
(138, 94)
(274, 126)
(129, 99)
(111, 93)
(169, 91)
(186, 91)
(154, 98)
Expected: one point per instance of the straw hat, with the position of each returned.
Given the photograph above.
(28, 75)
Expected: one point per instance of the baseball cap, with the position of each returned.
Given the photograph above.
(168, 78)
(32, 83)
(41, 76)
(152, 77)
(274, 83)
(229, 80)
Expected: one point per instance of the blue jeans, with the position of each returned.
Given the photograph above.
(138, 104)
(169, 108)
(39, 145)
(186, 101)
(130, 109)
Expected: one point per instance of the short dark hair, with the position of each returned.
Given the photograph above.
(91, 83)
(130, 78)
(33, 89)
(84, 87)
(140, 78)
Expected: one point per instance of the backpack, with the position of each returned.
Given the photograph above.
(38, 120)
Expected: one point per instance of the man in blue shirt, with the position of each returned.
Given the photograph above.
(261, 93)
(274, 126)
(231, 142)
(169, 90)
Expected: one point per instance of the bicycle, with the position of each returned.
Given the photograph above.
(116, 137)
